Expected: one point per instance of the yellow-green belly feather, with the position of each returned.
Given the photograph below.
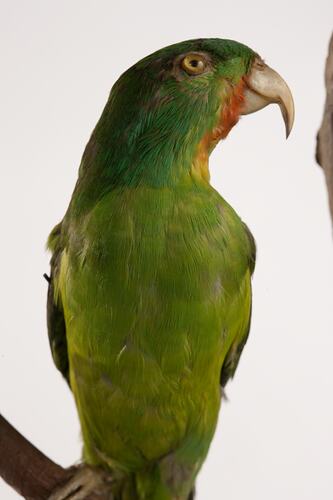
(155, 285)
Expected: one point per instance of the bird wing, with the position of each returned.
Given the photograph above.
(233, 355)
(232, 358)
(55, 316)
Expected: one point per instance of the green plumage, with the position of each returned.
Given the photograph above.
(150, 296)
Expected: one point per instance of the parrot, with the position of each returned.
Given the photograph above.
(149, 295)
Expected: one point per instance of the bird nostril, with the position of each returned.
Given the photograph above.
(259, 64)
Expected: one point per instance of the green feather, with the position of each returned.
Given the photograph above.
(151, 268)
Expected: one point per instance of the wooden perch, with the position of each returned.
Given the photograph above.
(35, 477)
(25, 468)
(324, 153)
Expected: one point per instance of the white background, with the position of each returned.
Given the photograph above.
(58, 62)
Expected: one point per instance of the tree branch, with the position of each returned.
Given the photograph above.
(324, 152)
(34, 476)
(25, 468)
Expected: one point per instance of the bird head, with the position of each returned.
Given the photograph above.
(166, 113)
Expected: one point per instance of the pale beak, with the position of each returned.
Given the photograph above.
(265, 86)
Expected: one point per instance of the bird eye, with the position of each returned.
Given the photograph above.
(194, 64)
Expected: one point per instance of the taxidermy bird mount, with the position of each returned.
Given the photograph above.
(149, 300)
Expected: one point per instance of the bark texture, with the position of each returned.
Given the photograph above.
(24, 467)
(35, 477)
(324, 153)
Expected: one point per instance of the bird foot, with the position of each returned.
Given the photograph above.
(86, 483)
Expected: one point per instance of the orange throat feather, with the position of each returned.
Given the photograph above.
(228, 115)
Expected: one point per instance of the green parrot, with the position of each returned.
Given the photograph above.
(149, 300)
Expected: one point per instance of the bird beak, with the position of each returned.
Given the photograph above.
(265, 86)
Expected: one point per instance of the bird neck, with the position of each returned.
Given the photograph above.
(154, 148)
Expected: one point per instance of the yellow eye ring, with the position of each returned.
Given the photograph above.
(194, 64)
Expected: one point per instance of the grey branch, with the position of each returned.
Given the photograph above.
(324, 153)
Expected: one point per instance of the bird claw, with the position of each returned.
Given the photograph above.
(223, 394)
(87, 482)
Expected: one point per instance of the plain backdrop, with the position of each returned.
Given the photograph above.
(59, 60)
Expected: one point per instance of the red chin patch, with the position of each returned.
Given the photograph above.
(230, 112)
(228, 117)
